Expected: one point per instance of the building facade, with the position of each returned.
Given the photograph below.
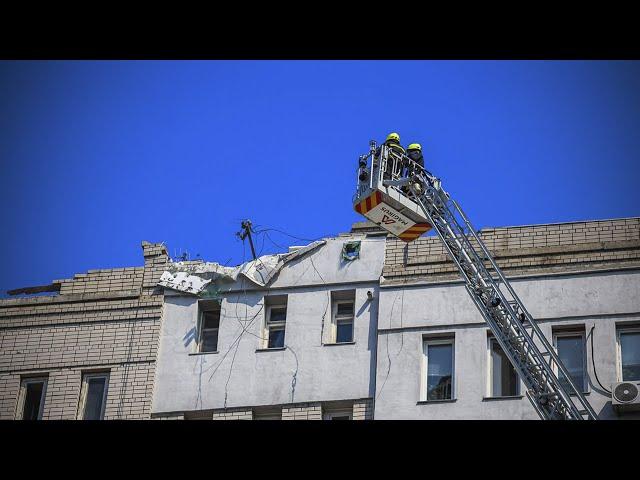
(387, 333)
(436, 356)
(87, 352)
(303, 347)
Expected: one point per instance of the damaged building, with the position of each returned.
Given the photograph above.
(357, 326)
(289, 336)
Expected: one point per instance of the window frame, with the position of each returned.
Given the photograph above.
(278, 325)
(574, 333)
(201, 330)
(330, 414)
(490, 392)
(22, 395)
(426, 342)
(619, 330)
(335, 319)
(86, 376)
(267, 414)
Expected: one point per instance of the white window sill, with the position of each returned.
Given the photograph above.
(428, 402)
(276, 349)
(506, 397)
(204, 353)
(337, 344)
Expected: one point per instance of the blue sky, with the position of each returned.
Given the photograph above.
(98, 156)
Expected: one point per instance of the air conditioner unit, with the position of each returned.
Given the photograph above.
(625, 396)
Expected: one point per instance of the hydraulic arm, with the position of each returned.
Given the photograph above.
(399, 188)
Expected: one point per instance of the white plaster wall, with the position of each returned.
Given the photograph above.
(603, 300)
(304, 371)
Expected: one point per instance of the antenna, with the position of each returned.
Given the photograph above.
(246, 232)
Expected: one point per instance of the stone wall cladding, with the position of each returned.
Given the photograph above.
(561, 247)
(104, 320)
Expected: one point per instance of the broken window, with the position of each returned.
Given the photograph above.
(275, 321)
(351, 250)
(32, 394)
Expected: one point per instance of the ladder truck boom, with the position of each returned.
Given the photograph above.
(403, 198)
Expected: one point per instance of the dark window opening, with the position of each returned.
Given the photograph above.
(276, 338)
(210, 329)
(33, 401)
(505, 381)
(344, 332)
(95, 395)
(440, 371)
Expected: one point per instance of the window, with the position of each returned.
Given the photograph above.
(570, 348)
(503, 379)
(438, 357)
(275, 321)
(93, 397)
(339, 415)
(209, 331)
(199, 415)
(342, 315)
(629, 354)
(343, 322)
(267, 413)
(209, 326)
(31, 398)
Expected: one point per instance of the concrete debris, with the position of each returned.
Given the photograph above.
(194, 277)
(183, 282)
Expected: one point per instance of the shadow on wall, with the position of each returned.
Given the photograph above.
(189, 337)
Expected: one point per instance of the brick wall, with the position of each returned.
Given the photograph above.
(102, 320)
(363, 409)
(302, 411)
(233, 414)
(561, 247)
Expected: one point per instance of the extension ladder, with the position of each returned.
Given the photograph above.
(405, 190)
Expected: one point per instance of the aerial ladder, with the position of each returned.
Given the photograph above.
(406, 200)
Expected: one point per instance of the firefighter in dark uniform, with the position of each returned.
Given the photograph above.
(392, 141)
(414, 152)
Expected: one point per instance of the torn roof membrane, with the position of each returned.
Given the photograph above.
(194, 278)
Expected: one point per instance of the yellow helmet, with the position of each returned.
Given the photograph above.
(393, 136)
(415, 146)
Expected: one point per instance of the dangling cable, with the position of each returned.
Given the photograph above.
(593, 362)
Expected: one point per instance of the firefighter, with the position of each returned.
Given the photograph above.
(414, 152)
(392, 141)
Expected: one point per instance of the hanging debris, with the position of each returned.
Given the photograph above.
(195, 277)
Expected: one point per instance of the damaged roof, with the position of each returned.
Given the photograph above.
(196, 277)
